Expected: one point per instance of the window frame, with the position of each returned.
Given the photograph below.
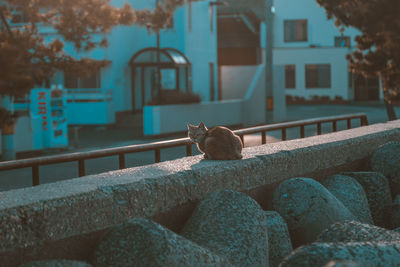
(310, 84)
(338, 39)
(290, 67)
(295, 21)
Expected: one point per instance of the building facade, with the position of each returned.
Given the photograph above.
(188, 62)
(313, 51)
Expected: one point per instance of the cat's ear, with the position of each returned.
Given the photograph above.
(202, 126)
(189, 125)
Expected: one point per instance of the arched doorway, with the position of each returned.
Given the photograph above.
(150, 75)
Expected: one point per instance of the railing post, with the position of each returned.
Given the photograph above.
(319, 131)
(263, 137)
(81, 167)
(283, 134)
(157, 155)
(188, 149)
(35, 175)
(348, 123)
(364, 121)
(334, 126)
(122, 163)
(302, 131)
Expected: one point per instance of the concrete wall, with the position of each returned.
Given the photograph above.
(66, 219)
(250, 110)
(235, 81)
(173, 118)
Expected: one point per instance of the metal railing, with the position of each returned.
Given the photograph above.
(80, 157)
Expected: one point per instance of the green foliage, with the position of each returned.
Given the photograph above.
(172, 97)
(378, 46)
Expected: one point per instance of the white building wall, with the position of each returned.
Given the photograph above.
(201, 47)
(199, 44)
(302, 56)
(321, 31)
(321, 35)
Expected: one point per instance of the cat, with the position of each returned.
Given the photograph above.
(218, 143)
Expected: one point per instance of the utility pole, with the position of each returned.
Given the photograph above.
(158, 80)
(268, 56)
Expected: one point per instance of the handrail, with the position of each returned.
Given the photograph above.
(34, 163)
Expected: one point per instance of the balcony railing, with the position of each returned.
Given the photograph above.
(80, 157)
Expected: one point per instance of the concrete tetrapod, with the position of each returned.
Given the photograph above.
(141, 242)
(353, 231)
(56, 263)
(308, 208)
(344, 263)
(278, 238)
(377, 190)
(377, 254)
(396, 212)
(351, 194)
(230, 224)
(386, 160)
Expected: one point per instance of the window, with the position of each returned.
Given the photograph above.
(318, 76)
(73, 81)
(290, 76)
(295, 30)
(342, 41)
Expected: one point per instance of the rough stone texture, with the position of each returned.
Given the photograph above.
(33, 218)
(353, 231)
(386, 160)
(231, 224)
(377, 190)
(379, 254)
(141, 242)
(344, 263)
(397, 230)
(308, 208)
(396, 212)
(56, 263)
(278, 238)
(351, 194)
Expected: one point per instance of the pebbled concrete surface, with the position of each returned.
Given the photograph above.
(353, 231)
(141, 242)
(351, 194)
(232, 225)
(378, 254)
(33, 218)
(308, 208)
(279, 242)
(377, 190)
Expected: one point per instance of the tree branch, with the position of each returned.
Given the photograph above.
(4, 20)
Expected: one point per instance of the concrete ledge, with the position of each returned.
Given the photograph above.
(73, 213)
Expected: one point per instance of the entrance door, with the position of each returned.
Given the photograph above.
(144, 86)
(366, 89)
